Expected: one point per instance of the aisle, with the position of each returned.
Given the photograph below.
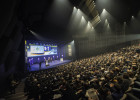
(19, 93)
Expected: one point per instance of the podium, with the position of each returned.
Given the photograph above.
(46, 63)
(61, 59)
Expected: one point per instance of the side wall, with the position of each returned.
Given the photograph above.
(11, 42)
(94, 45)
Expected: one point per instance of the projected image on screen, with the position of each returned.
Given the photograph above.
(37, 49)
(40, 49)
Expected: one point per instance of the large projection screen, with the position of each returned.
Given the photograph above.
(36, 49)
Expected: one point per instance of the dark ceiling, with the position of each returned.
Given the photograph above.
(122, 10)
(50, 19)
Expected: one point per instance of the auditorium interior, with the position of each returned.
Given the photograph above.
(70, 50)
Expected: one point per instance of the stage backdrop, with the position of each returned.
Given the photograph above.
(38, 51)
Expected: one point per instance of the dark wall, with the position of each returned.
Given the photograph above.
(11, 41)
(64, 50)
(93, 45)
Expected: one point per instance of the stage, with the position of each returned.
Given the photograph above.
(35, 67)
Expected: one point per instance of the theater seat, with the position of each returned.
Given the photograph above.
(137, 84)
(128, 90)
(132, 84)
(131, 97)
(124, 97)
(136, 92)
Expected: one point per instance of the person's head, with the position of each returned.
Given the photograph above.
(125, 76)
(97, 81)
(104, 91)
(38, 85)
(131, 74)
(92, 94)
(119, 79)
(35, 80)
(117, 87)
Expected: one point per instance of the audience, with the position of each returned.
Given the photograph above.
(107, 75)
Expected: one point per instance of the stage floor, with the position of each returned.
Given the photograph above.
(35, 67)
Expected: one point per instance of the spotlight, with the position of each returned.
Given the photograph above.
(74, 7)
(104, 12)
(132, 17)
(106, 21)
(83, 18)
